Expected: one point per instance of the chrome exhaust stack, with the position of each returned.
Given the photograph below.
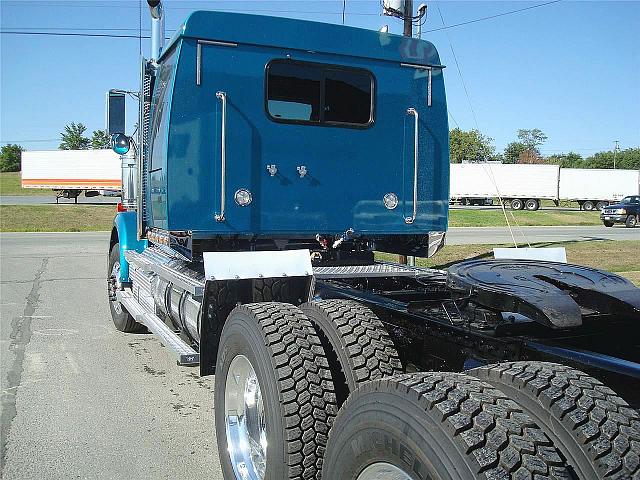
(157, 28)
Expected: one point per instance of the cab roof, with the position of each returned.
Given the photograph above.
(287, 33)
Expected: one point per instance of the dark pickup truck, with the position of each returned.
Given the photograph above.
(626, 211)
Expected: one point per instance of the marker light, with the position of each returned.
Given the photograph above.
(390, 200)
(243, 197)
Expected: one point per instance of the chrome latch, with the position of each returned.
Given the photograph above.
(272, 169)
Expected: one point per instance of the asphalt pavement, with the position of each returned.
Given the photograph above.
(80, 399)
(522, 235)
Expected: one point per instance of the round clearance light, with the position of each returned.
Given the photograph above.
(243, 197)
(390, 201)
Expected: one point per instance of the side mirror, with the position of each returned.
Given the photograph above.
(120, 143)
(115, 109)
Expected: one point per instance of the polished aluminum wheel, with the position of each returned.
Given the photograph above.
(114, 286)
(245, 420)
(383, 471)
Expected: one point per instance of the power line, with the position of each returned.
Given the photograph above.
(490, 17)
(69, 34)
(455, 58)
(31, 141)
(453, 119)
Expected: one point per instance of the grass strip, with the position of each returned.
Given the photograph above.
(56, 218)
(495, 218)
(10, 185)
(617, 256)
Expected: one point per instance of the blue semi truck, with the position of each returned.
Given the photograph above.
(273, 157)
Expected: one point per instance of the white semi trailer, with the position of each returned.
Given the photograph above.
(70, 172)
(524, 186)
(595, 188)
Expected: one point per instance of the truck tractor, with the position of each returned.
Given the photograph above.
(273, 159)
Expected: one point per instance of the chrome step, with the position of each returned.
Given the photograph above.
(186, 355)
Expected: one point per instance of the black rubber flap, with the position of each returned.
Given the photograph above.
(548, 292)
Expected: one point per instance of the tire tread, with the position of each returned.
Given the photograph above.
(496, 436)
(304, 381)
(603, 425)
(363, 339)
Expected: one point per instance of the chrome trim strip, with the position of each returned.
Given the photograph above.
(198, 64)
(425, 67)
(429, 88)
(199, 55)
(217, 42)
(411, 219)
(223, 155)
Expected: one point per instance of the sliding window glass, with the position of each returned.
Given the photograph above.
(301, 92)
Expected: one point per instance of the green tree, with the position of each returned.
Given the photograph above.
(513, 151)
(100, 139)
(531, 139)
(471, 146)
(10, 156)
(624, 159)
(567, 160)
(73, 137)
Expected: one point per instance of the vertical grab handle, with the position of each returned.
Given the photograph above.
(411, 219)
(223, 156)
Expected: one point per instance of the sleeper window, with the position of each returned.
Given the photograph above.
(300, 92)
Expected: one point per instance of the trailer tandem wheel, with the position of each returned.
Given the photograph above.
(437, 425)
(274, 400)
(356, 342)
(122, 319)
(591, 425)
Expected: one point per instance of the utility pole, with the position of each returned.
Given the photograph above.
(615, 151)
(408, 18)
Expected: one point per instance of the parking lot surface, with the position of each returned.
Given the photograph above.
(80, 399)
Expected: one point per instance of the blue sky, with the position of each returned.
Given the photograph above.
(571, 68)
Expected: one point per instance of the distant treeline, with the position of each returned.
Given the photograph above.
(473, 146)
(624, 159)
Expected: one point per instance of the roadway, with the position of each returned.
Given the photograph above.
(501, 235)
(80, 399)
(51, 200)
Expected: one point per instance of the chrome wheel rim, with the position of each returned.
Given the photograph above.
(383, 470)
(114, 286)
(245, 423)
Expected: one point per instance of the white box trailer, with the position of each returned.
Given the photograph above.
(69, 172)
(523, 186)
(596, 188)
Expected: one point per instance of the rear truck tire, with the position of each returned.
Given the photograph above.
(517, 204)
(357, 344)
(437, 425)
(631, 221)
(601, 205)
(274, 398)
(596, 430)
(588, 205)
(121, 318)
(287, 290)
(532, 204)
(608, 224)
